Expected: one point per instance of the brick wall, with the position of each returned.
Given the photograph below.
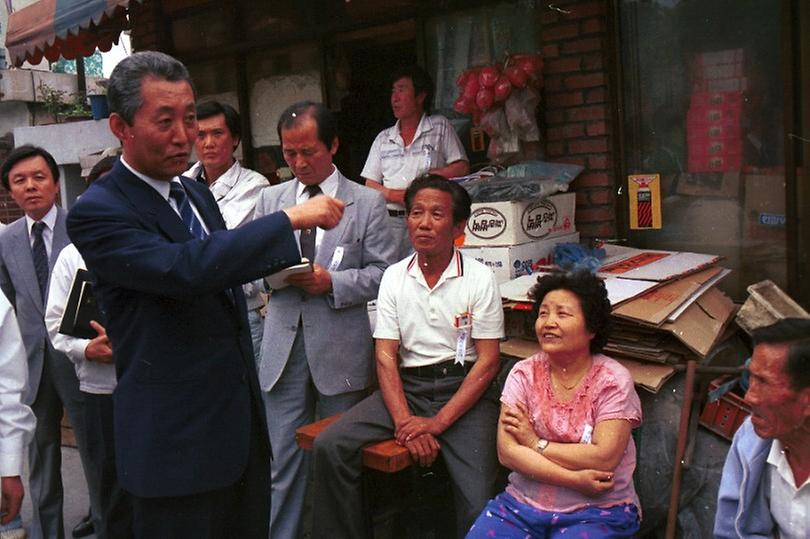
(146, 28)
(9, 211)
(577, 113)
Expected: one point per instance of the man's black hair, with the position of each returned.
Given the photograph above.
(795, 334)
(209, 109)
(22, 153)
(323, 117)
(461, 199)
(422, 83)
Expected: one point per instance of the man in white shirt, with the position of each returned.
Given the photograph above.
(17, 421)
(93, 360)
(235, 188)
(439, 320)
(417, 144)
(765, 487)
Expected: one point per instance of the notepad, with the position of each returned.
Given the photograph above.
(81, 308)
(278, 280)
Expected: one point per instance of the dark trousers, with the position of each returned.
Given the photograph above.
(238, 511)
(113, 518)
(467, 447)
(58, 388)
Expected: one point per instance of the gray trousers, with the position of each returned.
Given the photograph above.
(293, 402)
(467, 447)
(58, 387)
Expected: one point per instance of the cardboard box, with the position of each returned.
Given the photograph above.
(731, 84)
(511, 223)
(765, 218)
(716, 99)
(714, 163)
(510, 261)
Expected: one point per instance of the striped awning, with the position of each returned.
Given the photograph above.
(68, 28)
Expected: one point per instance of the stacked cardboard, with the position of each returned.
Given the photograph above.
(713, 128)
(666, 309)
(516, 238)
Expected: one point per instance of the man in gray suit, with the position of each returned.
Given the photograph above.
(28, 249)
(317, 349)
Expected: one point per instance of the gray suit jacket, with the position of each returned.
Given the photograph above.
(18, 280)
(337, 336)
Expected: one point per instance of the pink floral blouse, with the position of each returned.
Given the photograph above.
(606, 392)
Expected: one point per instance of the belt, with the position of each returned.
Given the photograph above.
(397, 213)
(439, 370)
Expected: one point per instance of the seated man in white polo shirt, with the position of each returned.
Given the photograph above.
(439, 320)
(765, 487)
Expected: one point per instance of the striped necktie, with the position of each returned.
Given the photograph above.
(40, 257)
(178, 194)
(308, 234)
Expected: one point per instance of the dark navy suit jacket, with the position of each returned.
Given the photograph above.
(187, 385)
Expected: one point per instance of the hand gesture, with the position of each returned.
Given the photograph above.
(320, 211)
(99, 348)
(516, 422)
(316, 282)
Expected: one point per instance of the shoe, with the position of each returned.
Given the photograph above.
(82, 529)
(18, 533)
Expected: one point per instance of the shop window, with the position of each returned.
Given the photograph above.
(474, 38)
(703, 108)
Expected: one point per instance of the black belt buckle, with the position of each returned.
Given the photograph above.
(396, 213)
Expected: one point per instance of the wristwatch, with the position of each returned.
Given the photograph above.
(541, 445)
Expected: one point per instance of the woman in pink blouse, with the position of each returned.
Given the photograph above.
(566, 419)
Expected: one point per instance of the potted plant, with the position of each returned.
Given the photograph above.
(59, 107)
(98, 101)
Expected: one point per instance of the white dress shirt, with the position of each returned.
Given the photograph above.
(790, 506)
(329, 188)
(94, 377)
(17, 421)
(47, 232)
(162, 187)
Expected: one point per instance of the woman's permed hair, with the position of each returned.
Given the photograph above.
(593, 299)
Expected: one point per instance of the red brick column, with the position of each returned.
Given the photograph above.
(577, 107)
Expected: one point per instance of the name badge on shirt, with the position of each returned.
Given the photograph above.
(337, 258)
(587, 434)
(463, 323)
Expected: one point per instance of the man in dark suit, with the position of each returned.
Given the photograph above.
(28, 249)
(190, 435)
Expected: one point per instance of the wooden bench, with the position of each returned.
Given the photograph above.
(386, 456)
(390, 503)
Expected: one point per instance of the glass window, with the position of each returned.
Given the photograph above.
(703, 108)
(473, 38)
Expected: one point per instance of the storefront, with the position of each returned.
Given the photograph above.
(625, 84)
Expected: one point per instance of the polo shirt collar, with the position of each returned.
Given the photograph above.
(425, 125)
(454, 269)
